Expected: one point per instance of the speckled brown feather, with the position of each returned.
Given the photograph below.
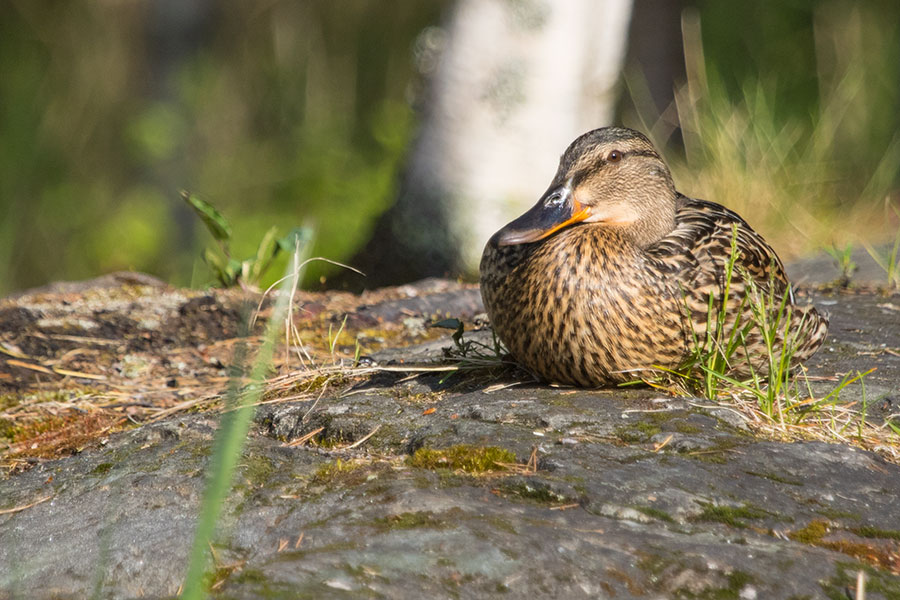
(588, 306)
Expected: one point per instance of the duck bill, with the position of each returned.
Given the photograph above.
(556, 210)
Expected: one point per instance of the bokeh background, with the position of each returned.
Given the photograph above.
(306, 113)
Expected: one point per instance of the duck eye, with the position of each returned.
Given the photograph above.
(555, 199)
(614, 156)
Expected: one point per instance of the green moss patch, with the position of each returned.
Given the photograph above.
(537, 491)
(878, 554)
(733, 516)
(411, 520)
(638, 432)
(471, 459)
(257, 470)
(775, 477)
(655, 513)
(717, 454)
(102, 469)
(877, 581)
(812, 534)
(833, 513)
(720, 586)
(338, 472)
(874, 532)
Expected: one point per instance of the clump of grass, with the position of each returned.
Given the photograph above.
(471, 351)
(462, 457)
(777, 386)
(470, 355)
(317, 375)
(712, 355)
(770, 388)
(889, 262)
(843, 260)
(722, 349)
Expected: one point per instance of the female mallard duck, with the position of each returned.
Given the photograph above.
(610, 274)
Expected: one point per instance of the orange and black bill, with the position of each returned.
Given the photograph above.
(556, 209)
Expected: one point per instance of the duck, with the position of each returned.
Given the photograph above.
(615, 276)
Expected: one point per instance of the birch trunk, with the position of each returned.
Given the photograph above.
(515, 83)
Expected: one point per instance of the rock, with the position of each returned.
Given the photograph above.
(614, 493)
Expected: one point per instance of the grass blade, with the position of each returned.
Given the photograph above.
(230, 439)
(215, 222)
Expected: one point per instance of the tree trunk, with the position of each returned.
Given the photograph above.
(514, 84)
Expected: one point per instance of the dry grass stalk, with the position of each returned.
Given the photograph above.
(304, 438)
(16, 509)
(362, 440)
(529, 468)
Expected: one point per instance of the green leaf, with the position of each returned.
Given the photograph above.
(215, 261)
(452, 324)
(268, 248)
(226, 270)
(894, 428)
(231, 436)
(217, 224)
(448, 324)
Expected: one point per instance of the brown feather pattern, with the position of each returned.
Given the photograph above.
(590, 305)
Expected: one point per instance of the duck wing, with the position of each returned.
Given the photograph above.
(700, 246)
(696, 254)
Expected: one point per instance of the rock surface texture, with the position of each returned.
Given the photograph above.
(617, 493)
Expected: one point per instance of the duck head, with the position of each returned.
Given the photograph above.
(611, 176)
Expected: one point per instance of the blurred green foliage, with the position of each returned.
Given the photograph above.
(288, 113)
(280, 113)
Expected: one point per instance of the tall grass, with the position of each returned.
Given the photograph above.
(747, 355)
(806, 182)
(712, 354)
(240, 403)
(770, 376)
(759, 336)
(889, 261)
